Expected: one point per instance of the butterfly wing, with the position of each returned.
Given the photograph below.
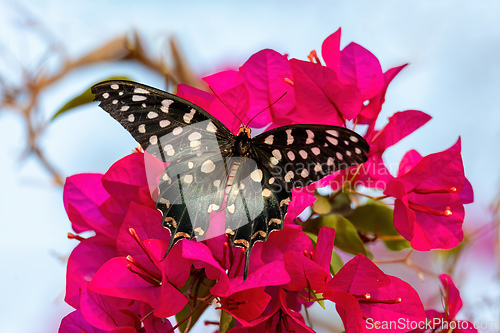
(167, 126)
(299, 155)
(181, 133)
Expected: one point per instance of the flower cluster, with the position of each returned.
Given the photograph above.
(119, 281)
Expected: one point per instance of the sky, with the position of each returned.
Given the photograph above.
(452, 47)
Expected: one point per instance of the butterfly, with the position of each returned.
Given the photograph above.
(211, 170)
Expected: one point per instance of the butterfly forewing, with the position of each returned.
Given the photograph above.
(303, 154)
(164, 124)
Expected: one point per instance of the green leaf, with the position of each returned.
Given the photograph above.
(321, 205)
(376, 218)
(336, 263)
(82, 99)
(346, 236)
(226, 322)
(341, 204)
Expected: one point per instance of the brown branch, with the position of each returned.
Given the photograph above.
(24, 99)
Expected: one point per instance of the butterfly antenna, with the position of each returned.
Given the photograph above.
(226, 105)
(276, 101)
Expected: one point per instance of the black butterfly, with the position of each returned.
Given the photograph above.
(211, 169)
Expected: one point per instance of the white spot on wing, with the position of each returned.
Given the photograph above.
(317, 168)
(142, 128)
(152, 115)
(274, 160)
(177, 131)
(266, 192)
(329, 162)
(310, 137)
(230, 208)
(256, 175)
(114, 86)
(333, 141)
(207, 166)
(125, 108)
(289, 137)
(194, 136)
(140, 91)
(212, 207)
(276, 153)
(289, 175)
(348, 153)
(189, 116)
(138, 98)
(291, 155)
(315, 150)
(269, 140)
(153, 139)
(304, 173)
(190, 165)
(105, 95)
(131, 118)
(188, 179)
(271, 180)
(164, 123)
(353, 138)
(339, 156)
(211, 127)
(333, 132)
(303, 153)
(169, 149)
(115, 101)
(216, 183)
(165, 104)
(357, 150)
(195, 144)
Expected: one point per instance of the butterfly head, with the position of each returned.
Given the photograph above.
(245, 130)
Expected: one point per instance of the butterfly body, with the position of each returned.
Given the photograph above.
(210, 170)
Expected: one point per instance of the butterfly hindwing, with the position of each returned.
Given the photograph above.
(195, 186)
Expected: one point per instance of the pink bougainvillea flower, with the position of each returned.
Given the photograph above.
(217, 257)
(354, 65)
(379, 297)
(100, 203)
(374, 173)
(311, 270)
(428, 210)
(74, 322)
(134, 178)
(279, 316)
(452, 303)
(246, 305)
(263, 77)
(131, 278)
(321, 97)
(83, 196)
(358, 66)
(371, 108)
(83, 262)
(108, 313)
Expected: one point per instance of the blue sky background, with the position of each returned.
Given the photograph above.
(453, 48)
